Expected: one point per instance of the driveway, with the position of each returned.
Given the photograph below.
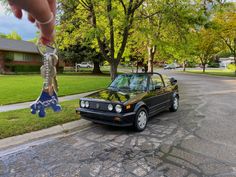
(198, 140)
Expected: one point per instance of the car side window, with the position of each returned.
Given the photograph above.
(167, 81)
(155, 80)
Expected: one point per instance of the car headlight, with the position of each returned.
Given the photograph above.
(82, 104)
(86, 104)
(118, 108)
(110, 107)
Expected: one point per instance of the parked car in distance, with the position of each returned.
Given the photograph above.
(170, 66)
(130, 100)
(84, 65)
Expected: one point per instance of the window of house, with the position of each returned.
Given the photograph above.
(9, 56)
(18, 56)
(27, 57)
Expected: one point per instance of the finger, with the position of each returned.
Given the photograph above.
(47, 39)
(47, 31)
(31, 18)
(16, 11)
(52, 5)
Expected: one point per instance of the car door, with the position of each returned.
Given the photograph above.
(156, 99)
(168, 90)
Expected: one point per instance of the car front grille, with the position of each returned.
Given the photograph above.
(98, 106)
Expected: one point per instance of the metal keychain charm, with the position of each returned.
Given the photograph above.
(48, 97)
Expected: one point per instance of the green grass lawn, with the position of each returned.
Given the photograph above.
(22, 121)
(22, 88)
(214, 72)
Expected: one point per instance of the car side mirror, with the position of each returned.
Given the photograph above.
(157, 87)
(173, 81)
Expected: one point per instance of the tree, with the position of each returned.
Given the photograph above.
(206, 46)
(225, 28)
(164, 25)
(14, 35)
(107, 23)
(75, 49)
(78, 53)
(2, 35)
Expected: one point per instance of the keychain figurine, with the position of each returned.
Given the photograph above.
(48, 97)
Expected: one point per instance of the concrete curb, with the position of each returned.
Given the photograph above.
(202, 74)
(27, 138)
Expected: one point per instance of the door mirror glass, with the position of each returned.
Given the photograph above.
(157, 87)
(173, 81)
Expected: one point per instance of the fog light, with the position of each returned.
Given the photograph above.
(117, 119)
(110, 107)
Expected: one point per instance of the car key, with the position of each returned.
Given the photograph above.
(48, 97)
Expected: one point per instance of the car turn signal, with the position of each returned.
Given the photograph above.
(128, 106)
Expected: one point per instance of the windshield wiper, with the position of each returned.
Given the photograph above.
(124, 88)
(112, 87)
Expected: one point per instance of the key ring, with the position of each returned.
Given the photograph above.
(43, 49)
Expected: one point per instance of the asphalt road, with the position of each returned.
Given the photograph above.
(198, 140)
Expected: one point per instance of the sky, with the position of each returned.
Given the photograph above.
(9, 23)
(27, 30)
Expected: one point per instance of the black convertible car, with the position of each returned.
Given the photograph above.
(130, 100)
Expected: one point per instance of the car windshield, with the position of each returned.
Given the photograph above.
(130, 82)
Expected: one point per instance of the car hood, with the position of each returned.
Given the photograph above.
(116, 96)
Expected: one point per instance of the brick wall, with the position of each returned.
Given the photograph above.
(1, 62)
(33, 60)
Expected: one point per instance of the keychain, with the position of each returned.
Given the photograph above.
(48, 97)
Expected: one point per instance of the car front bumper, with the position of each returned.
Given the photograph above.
(108, 118)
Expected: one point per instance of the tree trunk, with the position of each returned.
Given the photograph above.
(184, 65)
(151, 53)
(235, 64)
(137, 67)
(203, 67)
(203, 62)
(113, 70)
(96, 68)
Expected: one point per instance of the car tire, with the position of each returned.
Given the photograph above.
(141, 119)
(95, 123)
(175, 104)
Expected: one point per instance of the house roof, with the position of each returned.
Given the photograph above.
(18, 46)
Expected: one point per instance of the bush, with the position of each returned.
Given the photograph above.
(231, 67)
(23, 68)
(213, 65)
(28, 69)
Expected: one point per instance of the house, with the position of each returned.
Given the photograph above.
(224, 62)
(20, 56)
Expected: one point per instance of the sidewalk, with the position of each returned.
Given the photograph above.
(25, 105)
(19, 142)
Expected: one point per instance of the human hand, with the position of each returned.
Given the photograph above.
(41, 12)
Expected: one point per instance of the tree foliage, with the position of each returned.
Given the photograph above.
(148, 30)
(225, 27)
(13, 35)
(106, 24)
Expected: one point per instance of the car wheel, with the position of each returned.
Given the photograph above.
(175, 104)
(141, 120)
